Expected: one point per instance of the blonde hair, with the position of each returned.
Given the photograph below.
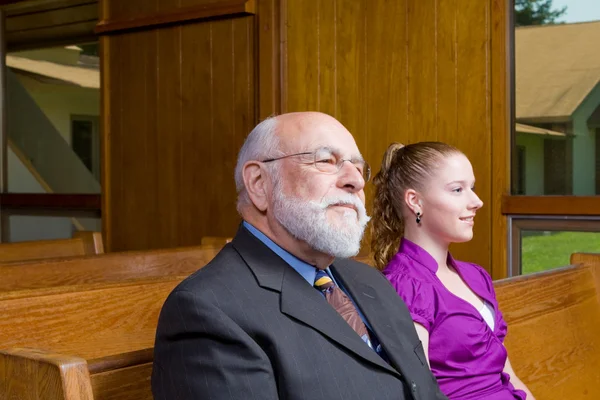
(402, 168)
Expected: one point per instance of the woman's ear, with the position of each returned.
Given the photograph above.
(256, 184)
(413, 202)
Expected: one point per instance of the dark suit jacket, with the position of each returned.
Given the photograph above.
(248, 326)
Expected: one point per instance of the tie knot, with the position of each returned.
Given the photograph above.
(323, 281)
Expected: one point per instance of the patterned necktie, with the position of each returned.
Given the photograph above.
(341, 303)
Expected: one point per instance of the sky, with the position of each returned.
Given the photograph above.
(579, 10)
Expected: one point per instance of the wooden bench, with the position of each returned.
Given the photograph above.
(553, 336)
(111, 267)
(84, 327)
(82, 243)
(215, 240)
(92, 341)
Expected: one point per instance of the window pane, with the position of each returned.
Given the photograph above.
(543, 250)
(557, 100)
(82, 141)
(26, 227)
(53, 107)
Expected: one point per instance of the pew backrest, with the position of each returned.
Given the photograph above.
(215, 240)
(82, 243)
(106, 268)
(88, 321)
(553, 336)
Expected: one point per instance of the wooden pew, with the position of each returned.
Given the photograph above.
(590, 259)
(93, 341)
(83, 328)
(82, 243)
(215, 241)
(553, 336)
(111, 267)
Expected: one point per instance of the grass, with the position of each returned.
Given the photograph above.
(541, 252)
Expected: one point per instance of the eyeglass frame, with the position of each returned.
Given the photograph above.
(339, 164)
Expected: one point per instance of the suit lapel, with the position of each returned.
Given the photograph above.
(304, 303)
(299, 299)
(390, 330)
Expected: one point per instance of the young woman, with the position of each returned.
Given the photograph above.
(424, 200)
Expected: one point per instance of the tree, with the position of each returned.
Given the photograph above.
(536, 12)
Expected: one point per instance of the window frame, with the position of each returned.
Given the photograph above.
(519, 223)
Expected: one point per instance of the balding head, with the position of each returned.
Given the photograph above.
(277, 135)
(300, 180)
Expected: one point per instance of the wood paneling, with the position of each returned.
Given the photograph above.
(166, 15)
(43, 24)
(501, 31)
(551, 205)
(180, 102)
(409, 71)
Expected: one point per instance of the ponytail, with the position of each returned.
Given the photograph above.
(388, 225)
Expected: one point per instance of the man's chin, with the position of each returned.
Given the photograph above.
(345, 223)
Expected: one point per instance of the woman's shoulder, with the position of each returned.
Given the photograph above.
(408, 277)
(403, 267)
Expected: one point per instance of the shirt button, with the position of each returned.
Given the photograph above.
(413, 386)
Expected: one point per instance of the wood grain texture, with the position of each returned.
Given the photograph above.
(500, 58)
(113, 267)
(408, 71)
(131, 383)
(215, 241)
(174, 124)
(550, 205)
(90, 322)
(83, 243)
(268, 54)
(29, 374)
(92, 241)
(177, 15)
(43, 23)
(402, 71)
(554, 331)
(591, 259)
(36, 374)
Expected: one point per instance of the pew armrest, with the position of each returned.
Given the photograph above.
(32, 373)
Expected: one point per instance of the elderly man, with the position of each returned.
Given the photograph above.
(276, 315)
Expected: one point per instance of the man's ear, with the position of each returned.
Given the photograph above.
(256, 184)
(412, 200)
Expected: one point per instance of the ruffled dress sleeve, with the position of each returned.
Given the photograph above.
(418, 296)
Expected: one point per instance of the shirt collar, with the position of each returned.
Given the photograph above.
(307, 271)
(421, 255)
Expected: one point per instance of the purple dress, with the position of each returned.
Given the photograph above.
(466, 356)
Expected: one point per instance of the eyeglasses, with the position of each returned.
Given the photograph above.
(326, 161)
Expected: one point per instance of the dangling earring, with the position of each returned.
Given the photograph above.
(418, 217)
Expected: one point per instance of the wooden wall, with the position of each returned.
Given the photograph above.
(179, 100)
(36, 24)
(410, 71)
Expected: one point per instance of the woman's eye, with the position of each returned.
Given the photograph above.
(458, 190)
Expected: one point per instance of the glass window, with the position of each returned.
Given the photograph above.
(557, 98)
(53, 107)
(543, 250)
(36, 227)
(86, 143)
(540, 244)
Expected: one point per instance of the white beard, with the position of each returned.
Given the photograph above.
(307, 221)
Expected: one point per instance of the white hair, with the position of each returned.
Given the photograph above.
(260, 144)
(307, 221)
